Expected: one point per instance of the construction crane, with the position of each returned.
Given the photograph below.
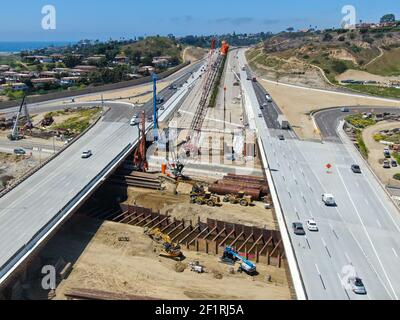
(15, 135)
(231, 257)
(140, 161)
(170, 249)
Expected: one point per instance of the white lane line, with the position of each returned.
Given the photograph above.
(368, 236)
(316, 266)
(395, 253)
(348, 258)
(379, 224)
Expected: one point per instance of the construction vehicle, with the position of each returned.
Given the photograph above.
(196, 267)
(170, 249)
(15, 134)
(231, 257)
(240, 198)
(197, 190)
(208, 198)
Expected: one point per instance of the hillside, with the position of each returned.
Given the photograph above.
(321, 59)
(150, 47)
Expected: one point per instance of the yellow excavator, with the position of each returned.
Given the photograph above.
(170, 249)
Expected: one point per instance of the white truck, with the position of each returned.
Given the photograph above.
(283, 122)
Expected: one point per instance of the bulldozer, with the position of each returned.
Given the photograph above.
(207, 198)
(170, 249)
(240, 198)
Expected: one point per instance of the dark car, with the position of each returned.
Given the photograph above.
(19, 152)
(394, 163)
(160, 100)
(281, 137)
(298, 229)
(356, 168)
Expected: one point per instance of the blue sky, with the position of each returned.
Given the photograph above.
(102, 19)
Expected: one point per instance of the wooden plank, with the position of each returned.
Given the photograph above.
(219, 234)
(265, 245)
(149, 223)
(236, 240)
(244, 243)
(120, 216)
(227, 237)
(256, 243)
(178, 235)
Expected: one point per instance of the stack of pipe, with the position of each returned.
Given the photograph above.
(233, 184)
(137, 179)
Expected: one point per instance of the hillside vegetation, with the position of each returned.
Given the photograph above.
(318, 58)
(144, 50)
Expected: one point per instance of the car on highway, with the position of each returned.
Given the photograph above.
(160, 100)
(386, 164)
(281, 137)
(394, 163)
(173, 87)
(312, 225)
(345, 110)
(357, 286)
(329, 200)
(355, 168)
(298, 229)
(268, 97)
(134, 121)
(260, 115)
(87, 154)
(19, 152)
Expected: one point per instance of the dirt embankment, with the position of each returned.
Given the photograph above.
(178, 206)
(134, 268)
(376, 156)
(297, 103)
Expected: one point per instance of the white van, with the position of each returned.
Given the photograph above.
(328, 199)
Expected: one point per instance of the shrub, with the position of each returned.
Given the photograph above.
(397, 176)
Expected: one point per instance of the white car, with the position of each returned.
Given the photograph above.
(134, 121)
(312, 225)
(268, 97)
(87, 154)
(329, 199)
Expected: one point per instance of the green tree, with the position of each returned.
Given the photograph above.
(388, 18)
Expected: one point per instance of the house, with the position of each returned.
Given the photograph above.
(121, 59)
(48, 74)
(86, 68)
(40, 82)
(4, 67)
(69, 81)
(146, 70)
(57, 57)
(160, 62)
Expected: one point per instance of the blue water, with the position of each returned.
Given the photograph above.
(6, 46)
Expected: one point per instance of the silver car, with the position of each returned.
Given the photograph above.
(357, 286)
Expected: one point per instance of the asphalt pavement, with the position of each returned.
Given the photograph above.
(360, 237)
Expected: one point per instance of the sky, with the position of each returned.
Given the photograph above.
(103, 19)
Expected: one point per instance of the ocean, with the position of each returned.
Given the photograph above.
(15, 47)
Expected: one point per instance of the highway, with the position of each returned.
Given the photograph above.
(328, 120)
(35, 208)
(358, 237)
